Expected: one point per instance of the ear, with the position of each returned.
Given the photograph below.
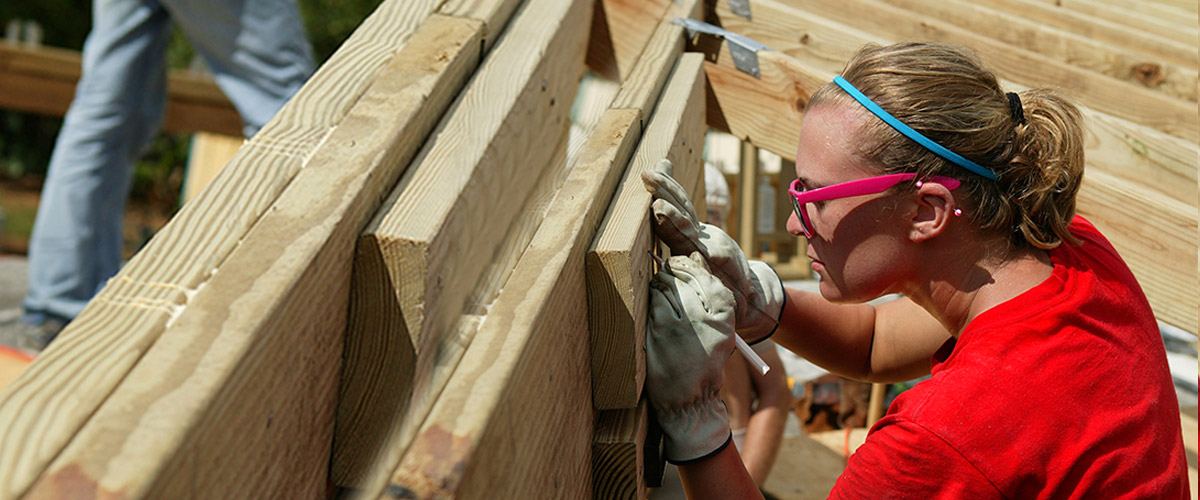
(935, 207)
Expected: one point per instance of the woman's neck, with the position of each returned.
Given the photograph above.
(957, 294)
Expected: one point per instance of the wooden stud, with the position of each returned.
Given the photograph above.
(618, 266)
(446, 222)
(618, 457)
(209, 153)
(620, 31)
(1141, 41)
(1063, 46)
(515, 419)
(164, 281)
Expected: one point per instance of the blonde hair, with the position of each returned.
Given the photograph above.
(944, 92)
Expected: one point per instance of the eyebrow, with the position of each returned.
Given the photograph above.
(808, 182)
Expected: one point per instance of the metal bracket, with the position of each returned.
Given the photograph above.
(744, 49)
(740, 7)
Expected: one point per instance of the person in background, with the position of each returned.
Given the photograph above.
(917, 174)
(259, 55)
(758, 404)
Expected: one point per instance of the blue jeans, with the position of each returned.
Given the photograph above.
(259, 55)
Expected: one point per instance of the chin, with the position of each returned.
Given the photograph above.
(832, 293)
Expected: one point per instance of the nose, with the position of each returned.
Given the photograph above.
(793, 225)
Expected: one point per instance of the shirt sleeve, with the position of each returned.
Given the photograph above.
(903, 460)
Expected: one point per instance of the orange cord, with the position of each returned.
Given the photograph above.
(8, 351)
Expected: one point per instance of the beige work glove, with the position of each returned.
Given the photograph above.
(688, 339)
(755, 286)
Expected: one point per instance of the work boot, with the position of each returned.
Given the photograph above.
(30, 338)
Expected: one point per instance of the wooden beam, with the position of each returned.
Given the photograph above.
(73, 378)
(618, 453)
(1066, 47)
(42, 80)
(1156, 237)
(450, 216)
(618, 266)
(208, 154)
(1102, 93)
(525, 372)
(222, 377)
(1140, 17)
(764, 111)
(1141, 41)
(645, 82)
(620, 30)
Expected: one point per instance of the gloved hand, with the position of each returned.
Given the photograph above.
(688, 339)
(755, 286)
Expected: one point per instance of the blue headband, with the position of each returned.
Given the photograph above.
(908, 131)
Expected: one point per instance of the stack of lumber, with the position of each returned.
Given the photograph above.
(414, 283)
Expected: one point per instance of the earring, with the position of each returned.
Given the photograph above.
(958, 212)
(920, 183)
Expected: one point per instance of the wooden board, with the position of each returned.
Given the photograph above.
(93, 355)
(208, 154)
(515, 420)
(1142, 41)
(764, 111)
(641, 89)
(1136, 17)
(618, 265)
(1063, 46)
(42, 80)
(448, 220)
(223, 376)
(618, 457)
(1155, 236)
(1116, 97)
(620, 30)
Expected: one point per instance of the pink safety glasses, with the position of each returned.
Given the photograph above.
(871, 185)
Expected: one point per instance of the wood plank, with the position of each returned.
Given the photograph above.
(764, 111)
(1063, 46)
(525, 373)
(222, 376)
(618, 266)
(645, 82)
(1138, 40)
(448, 219)
(620, 30)
(1139, 18)
(387, 390)
(495, 15)
(42, 80)
(208, 154)
(1102, 93)
(183, 257)
(618, 456)
(1156, 237)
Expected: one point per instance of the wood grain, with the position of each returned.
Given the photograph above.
(96, 352)
(618, 266)
(525, 373)
(1063, 46)
(617, 453)
(620, 30)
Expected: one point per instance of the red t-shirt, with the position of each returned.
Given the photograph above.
(1061, 392)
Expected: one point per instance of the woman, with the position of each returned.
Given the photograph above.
(918, 175)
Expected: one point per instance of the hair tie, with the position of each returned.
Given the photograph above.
(1014, 107)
